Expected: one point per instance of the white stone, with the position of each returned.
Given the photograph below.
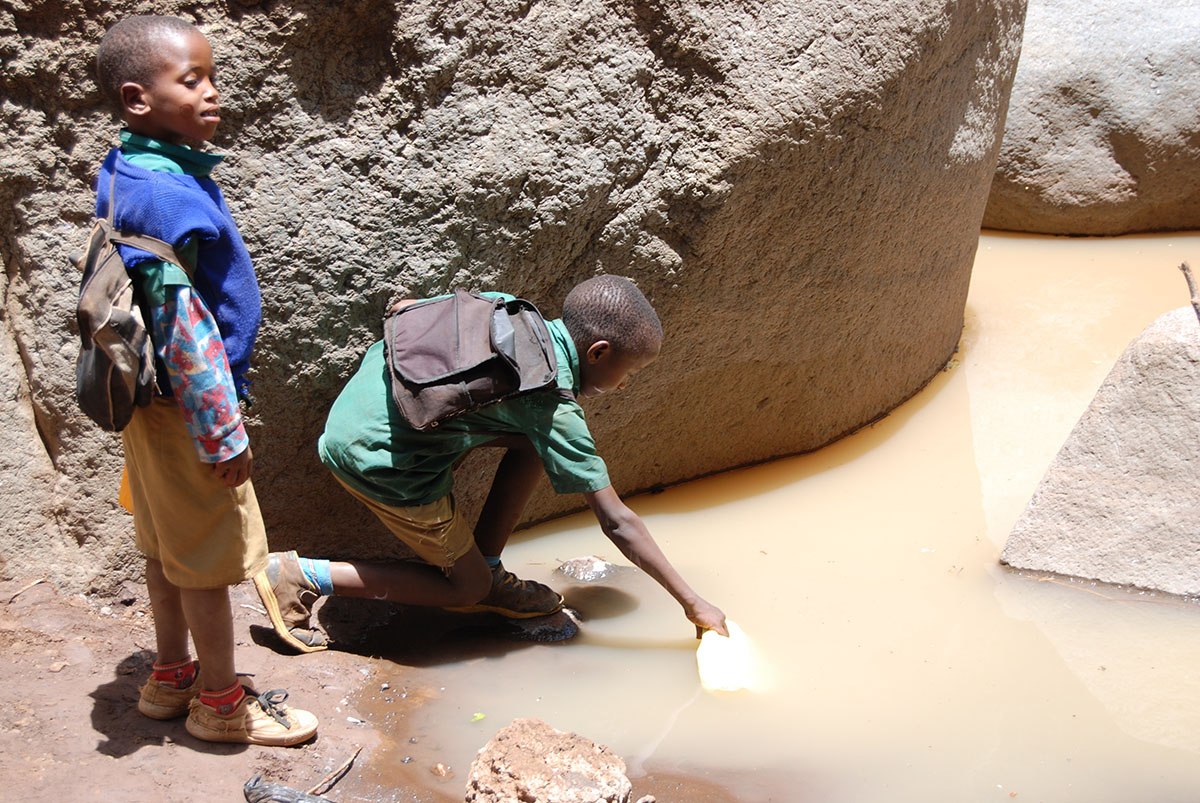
(1120, 502)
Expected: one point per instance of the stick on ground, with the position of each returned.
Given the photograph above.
(332, 778)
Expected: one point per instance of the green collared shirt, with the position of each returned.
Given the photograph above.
(368, 444)
(167, 157)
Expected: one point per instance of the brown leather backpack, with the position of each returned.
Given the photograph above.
(115, 370)
(455, 354)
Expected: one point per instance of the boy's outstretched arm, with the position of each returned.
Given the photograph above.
(627, 530)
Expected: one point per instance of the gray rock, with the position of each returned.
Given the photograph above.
(797, 187)
(1101, 131)
(530, 761)
(1119, 502)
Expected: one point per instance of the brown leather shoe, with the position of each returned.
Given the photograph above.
(288, 597)
(515, 598)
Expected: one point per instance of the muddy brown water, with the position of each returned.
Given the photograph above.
(902, 663)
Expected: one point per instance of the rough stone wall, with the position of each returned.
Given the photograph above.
(1103, 131)
(797, 186)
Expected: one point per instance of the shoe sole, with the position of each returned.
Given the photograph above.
(244, 738)
(263, 585)
(505, 612)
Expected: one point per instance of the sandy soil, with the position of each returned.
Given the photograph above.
(70, 670)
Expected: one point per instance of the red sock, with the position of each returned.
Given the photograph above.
(180, 674)
(225, 700)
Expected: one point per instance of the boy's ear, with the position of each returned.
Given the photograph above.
(597, 351)
(133, 99)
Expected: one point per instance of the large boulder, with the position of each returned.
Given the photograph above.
(798, 188)
(1101, 132)
(530, 761)
(1118, 503)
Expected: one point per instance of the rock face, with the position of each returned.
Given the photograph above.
(1119, 502)
(797, 187)
(531, 761)
(1101, 133)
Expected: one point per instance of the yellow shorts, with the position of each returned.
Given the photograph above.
(434, 531)
(204, 533)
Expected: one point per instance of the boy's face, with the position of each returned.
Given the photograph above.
(604, 368)
(180, 102)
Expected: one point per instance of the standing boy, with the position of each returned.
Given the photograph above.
(187, 455)
(607, 334)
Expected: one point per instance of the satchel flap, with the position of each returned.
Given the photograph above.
(432, 340)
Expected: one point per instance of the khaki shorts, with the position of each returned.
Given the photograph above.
(434, 531)
(204, 533)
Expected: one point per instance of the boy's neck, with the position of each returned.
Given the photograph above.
(190, 161)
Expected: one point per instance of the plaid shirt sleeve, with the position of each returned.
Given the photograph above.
(189, 344)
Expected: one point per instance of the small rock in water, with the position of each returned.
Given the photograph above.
(555, 627)
(588, 570)
(442, 770)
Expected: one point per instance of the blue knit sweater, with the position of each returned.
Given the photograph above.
(175, 208)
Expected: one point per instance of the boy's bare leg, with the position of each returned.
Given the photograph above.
(210, 618)
(470, 579)
(467, 582)
(516, 478)
(170, 626)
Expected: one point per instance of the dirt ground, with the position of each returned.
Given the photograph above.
(70, 670)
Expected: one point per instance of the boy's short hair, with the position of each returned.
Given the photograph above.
(128, 53)
(611, 308)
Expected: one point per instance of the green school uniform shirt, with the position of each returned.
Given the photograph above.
(368, 444)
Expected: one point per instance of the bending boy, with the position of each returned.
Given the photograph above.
(607, 334)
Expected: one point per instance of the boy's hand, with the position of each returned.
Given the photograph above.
(707, 617)
(236, 470)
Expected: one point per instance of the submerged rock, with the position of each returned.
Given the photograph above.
(589, 570)
(555, 627)
(1119, 502)
(532, 762)
(1101, 129)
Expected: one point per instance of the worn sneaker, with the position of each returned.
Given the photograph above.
(257, 719)
(515, 598)
(160, 700)
(288, 597)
